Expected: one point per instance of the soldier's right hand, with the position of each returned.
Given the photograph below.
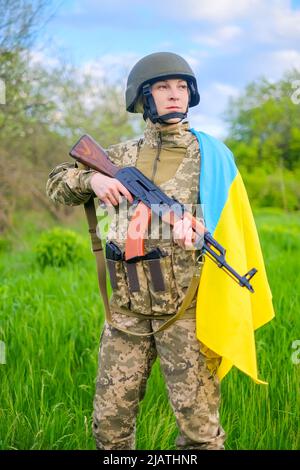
(109, 190)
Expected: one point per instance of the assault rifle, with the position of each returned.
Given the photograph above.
(150, 198)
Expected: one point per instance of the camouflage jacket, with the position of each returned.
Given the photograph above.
(169, 155)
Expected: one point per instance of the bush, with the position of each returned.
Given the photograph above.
(59, 247)
(5, 245)
(277, 189)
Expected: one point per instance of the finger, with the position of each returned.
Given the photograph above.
(125, 192)
(187, 223)
(188, 242)
(178, 233)
(191, 235)
(175, 231)
(106, 201)
(183, 234)
(181, 228)
(112, 199)
(116, 194)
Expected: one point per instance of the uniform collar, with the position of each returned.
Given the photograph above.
(170, 135)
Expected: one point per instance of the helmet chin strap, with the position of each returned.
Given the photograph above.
(150, 110)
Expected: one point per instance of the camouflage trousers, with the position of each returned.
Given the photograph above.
(124, 366)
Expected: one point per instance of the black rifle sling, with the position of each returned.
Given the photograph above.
(97, 248)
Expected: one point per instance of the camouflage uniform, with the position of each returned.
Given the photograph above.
(124, 360)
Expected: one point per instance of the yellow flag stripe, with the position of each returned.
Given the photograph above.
(228, 314)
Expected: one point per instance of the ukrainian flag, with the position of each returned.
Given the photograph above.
(228, 314)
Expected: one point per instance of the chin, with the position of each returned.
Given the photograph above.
(173, 121)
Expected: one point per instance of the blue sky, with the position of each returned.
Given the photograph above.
(227, 42)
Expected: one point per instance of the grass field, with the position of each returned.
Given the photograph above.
(50, 323)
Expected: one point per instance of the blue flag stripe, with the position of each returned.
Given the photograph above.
(217, 173)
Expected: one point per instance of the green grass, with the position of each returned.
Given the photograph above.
(50, 321)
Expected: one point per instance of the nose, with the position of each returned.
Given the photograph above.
(173, 93)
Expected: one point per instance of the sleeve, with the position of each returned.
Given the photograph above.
(70, 185)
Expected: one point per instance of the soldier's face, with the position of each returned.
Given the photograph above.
(171, 96)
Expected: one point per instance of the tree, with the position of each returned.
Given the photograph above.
(264, 124)
(265, 139)
(46, 111)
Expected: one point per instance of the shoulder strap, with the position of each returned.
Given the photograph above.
(97, 248)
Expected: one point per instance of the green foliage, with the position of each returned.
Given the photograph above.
(99, 104)
(38, 124)
(264, 136)
(5, 244)
(277, 189)
(59, 247)
(266, 119)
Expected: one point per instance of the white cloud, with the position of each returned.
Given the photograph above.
(113, 67)
(286, 58)
(224, 90)
(210, 124)
(287, 25)
(207, 115)
(215, 11)
(274, 64)
(222, 21)
(215, 97)
(193, 61)
(219, 36)
(277, 25)
(37, 57)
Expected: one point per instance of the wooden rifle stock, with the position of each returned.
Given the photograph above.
(91, 154)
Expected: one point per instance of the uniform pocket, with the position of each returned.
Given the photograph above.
(118, 281)
(138, 288)
(162, 287)
(183, 265)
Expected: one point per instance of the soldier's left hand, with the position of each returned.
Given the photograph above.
(183, 234)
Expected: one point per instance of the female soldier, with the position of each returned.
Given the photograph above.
(162, 86)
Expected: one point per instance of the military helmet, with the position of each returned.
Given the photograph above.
(159, 65)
